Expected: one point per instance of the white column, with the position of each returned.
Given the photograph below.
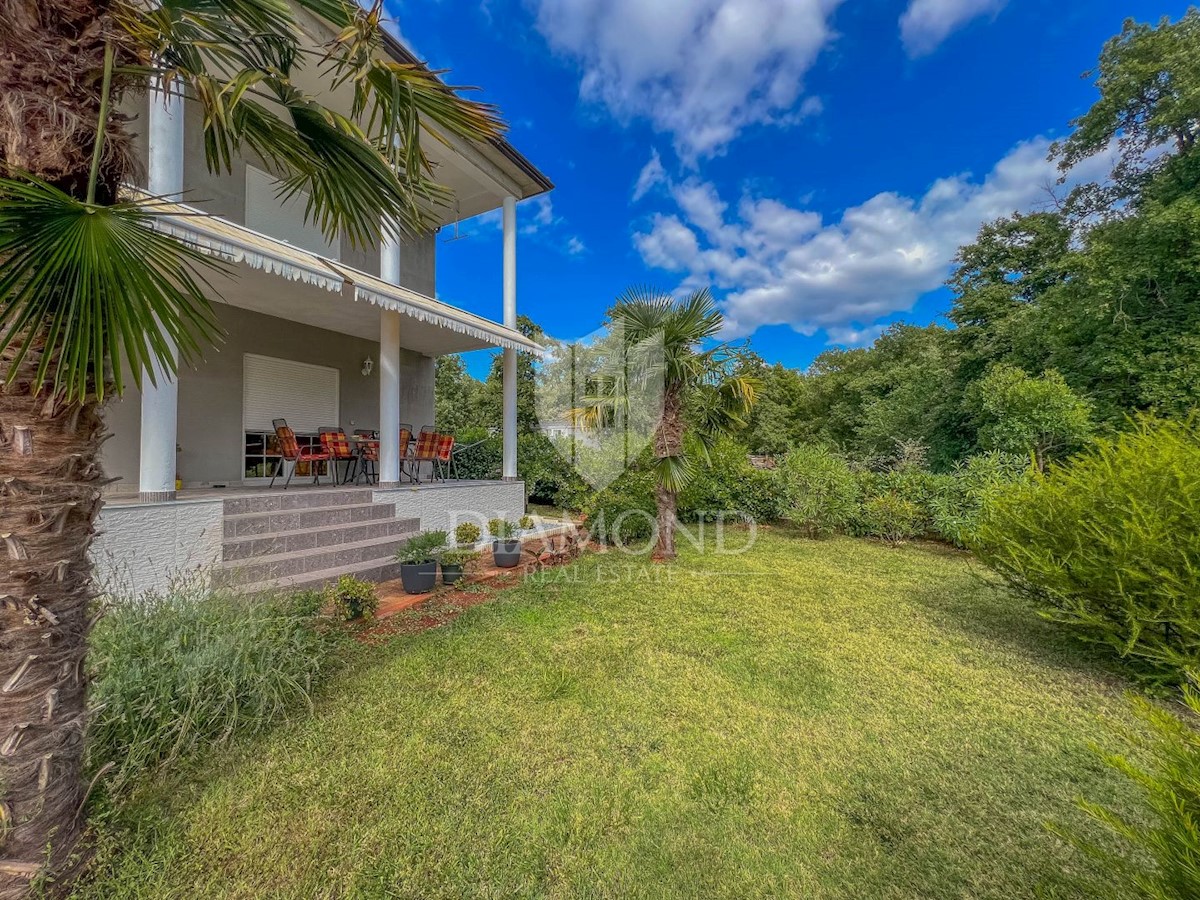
(509, 469)
(389, 369)
(160, 397)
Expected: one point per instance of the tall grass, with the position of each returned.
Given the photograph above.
(190, 668)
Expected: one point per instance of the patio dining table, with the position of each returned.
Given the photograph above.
(366, 450)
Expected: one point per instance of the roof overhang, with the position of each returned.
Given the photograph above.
(433, 328)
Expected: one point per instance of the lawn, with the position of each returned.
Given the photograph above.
(817, 719)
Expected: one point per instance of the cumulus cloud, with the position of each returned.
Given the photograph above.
(778, 264)
(926, 23)
(699, 70)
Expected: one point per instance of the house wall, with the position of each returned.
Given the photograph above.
(224, 194)
(210, 430)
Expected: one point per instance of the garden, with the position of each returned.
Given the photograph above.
(840, 717)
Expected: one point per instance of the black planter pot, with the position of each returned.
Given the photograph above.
(418, 578)
(506, 554)
(451, 574)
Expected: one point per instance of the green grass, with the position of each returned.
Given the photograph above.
(835, 719)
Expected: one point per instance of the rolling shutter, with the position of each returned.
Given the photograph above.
(304, 394)
(283, 221)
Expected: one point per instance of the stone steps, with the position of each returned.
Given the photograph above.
(307, 539)
(319, 538)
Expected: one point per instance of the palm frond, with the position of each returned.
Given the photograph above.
(238, 59)
(98, 285)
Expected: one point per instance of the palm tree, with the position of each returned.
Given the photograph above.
(702, 394)
(89, 288)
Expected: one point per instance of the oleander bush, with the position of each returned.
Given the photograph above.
(727, 483)
(189, 668)
(1109, 545)
(891, 517)
(818, 490)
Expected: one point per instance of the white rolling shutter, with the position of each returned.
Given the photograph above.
(304, 394)
(283, 221)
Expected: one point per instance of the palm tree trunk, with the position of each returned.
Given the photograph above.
(665, 501)
(668, 442)
(50, 483)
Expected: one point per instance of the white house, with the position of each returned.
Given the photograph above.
(319, 333)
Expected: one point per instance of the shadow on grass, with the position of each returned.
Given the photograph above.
(983, 609)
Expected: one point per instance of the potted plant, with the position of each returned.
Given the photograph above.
(418, 561)
(352, 598)
(466, 534)
(506, 548)
(453, 561)
(526, 523)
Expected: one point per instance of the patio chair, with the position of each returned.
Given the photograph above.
(405, 446)
(337, 445)
(445, 456)
(428, 429)
(290, 451)
(425, 452)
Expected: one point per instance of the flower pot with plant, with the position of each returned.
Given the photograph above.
(352, 598)
(506, 548)
(466, 534)
(453, 563)
(418, 561)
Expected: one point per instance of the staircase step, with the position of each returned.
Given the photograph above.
(320, 538)
(383, 568)
(307, 499)
(339, 556)
(275, 521)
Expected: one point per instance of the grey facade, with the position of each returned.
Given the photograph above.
(210, 433)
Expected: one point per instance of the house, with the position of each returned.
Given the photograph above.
(319, 333)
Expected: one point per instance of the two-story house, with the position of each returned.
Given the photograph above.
(319, 333)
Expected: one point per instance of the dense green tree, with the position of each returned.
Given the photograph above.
(1039, 416)
(458, 396)
(491, 406)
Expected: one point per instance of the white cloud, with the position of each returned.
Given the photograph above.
(778, 264)
(652, 175)
(699, 70)
(576, 246)
(926, 23)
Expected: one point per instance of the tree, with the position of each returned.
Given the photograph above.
(457, 395)
(703, 397)
(1027, 415)
(492, 400)
(89, 288)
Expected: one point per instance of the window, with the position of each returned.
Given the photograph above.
(304, 394)
(283, 220)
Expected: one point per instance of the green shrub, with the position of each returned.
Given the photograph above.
(525, 523)
(191, 668)
(456, 556)
(624, 512)
(819, 491)
(478, 454)
(502, 529)
(891, 517)
(466, 533)
(421, 548)
(956, 506)
(1158, 855)
(1110, 545)
(352, 598)
(727, 483)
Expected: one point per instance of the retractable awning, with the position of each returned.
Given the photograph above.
(239, 245)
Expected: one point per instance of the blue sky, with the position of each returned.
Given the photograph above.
(814, 162)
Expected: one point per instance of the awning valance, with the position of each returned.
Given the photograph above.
(236, 244)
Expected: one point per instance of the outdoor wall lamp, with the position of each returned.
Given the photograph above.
(368, 366)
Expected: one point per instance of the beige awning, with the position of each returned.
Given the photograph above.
(234, 243)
